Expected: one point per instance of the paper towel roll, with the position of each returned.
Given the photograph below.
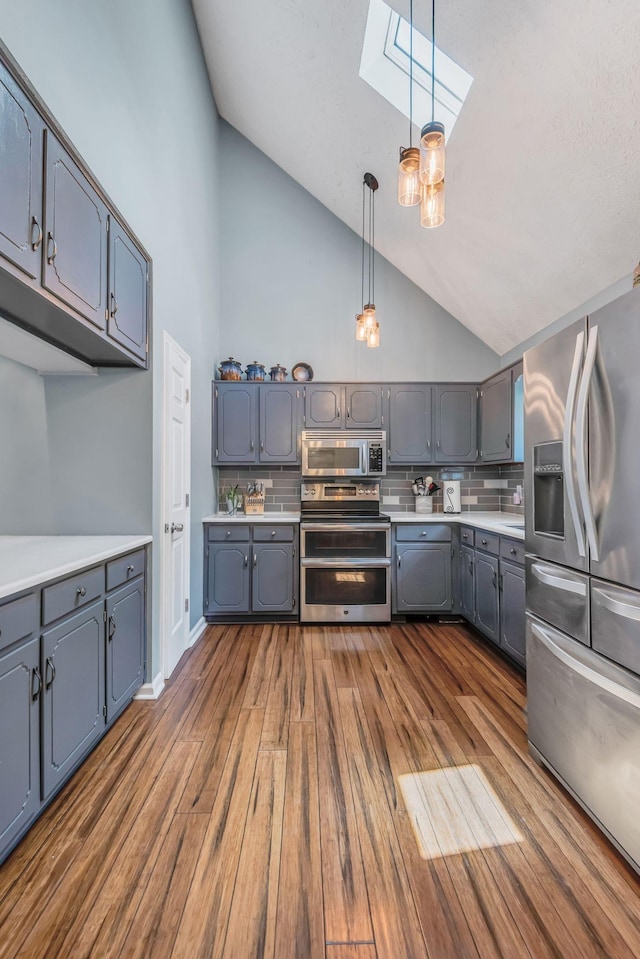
(451, 496)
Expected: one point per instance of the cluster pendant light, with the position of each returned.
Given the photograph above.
(421, 172)
(367, 325)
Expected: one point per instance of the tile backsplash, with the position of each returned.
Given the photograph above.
(481, 487)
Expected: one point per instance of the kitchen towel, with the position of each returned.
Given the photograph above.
(451, 496)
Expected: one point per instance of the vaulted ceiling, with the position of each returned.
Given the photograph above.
(543, 167)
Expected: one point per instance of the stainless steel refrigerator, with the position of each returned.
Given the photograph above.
(582, 506)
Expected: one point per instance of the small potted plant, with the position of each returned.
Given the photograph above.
(233, 498)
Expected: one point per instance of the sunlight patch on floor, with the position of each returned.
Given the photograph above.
(455, 810)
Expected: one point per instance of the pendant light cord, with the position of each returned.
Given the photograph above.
(362, 274)
(433, 58)
(410, 74)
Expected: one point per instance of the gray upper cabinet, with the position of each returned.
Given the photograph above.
(55, 245)
(512, 611)
(496, 419)
(125, 645)
(22, 137)
(408, 423)
(272, 581)
(455, 417)
(364, 406)
(280, 421)
(324, 406)
(127, 293)
(235, 422)
(75, 241)
(73, 694)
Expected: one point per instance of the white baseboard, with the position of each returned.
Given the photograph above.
(196, 632)
(151, 690)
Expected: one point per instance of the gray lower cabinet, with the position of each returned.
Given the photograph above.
(422, 555)
(125, 645)
(466, 579)
(20, 686)
(512, 610)
(487, 608)
(250, 569)
(408, 423)
(73, 694)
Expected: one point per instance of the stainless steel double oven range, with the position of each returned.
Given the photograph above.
(345, 552)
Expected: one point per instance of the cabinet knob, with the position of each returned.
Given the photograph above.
(484, 542)
(465, 536)
(81, 591)
(423, 533)
(273, 532)
(228, 532)
(130, 568)
(513, 551)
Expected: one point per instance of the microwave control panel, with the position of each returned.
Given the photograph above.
(375, 458)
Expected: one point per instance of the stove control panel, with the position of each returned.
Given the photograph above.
(341, 491)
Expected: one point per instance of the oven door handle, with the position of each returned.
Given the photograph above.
(344, 527)
(351, 562)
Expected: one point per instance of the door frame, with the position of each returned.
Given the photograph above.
(169, 346)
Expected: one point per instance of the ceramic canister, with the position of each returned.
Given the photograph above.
(230, 369)
(278, 373)
(255, 371)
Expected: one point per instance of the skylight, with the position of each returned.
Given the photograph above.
(385, 67)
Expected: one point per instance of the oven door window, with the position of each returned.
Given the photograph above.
(334, 458)
(345, 586)
(345, 543)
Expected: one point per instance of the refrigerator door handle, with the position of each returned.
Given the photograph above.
(567, 444)
(581, 443)
(616, 606)
(555, 644)
(544, 575)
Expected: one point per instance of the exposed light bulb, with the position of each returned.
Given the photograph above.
(369, 314)
(361, 329)
(409, 176)
(432, 152)
(373, 336)
(432, 205)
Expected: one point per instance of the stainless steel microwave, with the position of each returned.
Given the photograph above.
(344, 452)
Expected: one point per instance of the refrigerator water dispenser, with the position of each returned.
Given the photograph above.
(548, 489)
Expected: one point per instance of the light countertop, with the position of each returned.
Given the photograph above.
(496, 522)
(28, 561)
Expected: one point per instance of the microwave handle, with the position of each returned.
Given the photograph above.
(364, 466)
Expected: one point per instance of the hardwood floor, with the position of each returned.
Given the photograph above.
(320, 793)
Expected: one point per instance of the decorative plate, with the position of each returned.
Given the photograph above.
(302, 372)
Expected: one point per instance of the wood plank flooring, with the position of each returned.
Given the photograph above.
(320, 793)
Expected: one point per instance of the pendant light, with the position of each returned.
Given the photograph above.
(432, 154)
(367, 326)
(409, 166)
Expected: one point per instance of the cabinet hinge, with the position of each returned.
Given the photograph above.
(186, 397)
(104, 615)
(186, 605)
(186, 499)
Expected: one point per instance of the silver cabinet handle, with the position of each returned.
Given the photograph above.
(399, 561)
(114, 306)
(262, 446)
(494, 579)
(178, 528)
(52, 669)
(246, 561)
(35, 243)
(581, 443)
(567, 444)
(52, 249)
(255, 560)
(337, 412)
(544, 575)
(252, 446)
(603, 598)
(112, 628)
(36, 675)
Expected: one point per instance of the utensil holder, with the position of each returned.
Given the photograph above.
(424, 504)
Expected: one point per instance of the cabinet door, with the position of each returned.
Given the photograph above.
(127, 300)
(235, 419)
(273, 578)
(512, 611)
(125, 645)
(75, 241)
(455, 417)
(423, 578)
(227, 578)
(467, 592)
(409, 424)
(495, 418)
(364, 406)
(21, 139)
(280, 416)
(73, 706)
(19, 740)
(486, 595)
(324, 406)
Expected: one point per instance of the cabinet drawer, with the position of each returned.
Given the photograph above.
(273, 534)
(513, 550)
(71, 594)
(467, 536)
(228, 534)
(488, 542)
(18, 619)
(124, 568)
(423, 533)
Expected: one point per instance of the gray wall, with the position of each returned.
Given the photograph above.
(292, 287)
(127, 82)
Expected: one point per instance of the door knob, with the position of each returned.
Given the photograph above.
(177, 527)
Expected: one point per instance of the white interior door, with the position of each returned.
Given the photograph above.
(176, 476)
